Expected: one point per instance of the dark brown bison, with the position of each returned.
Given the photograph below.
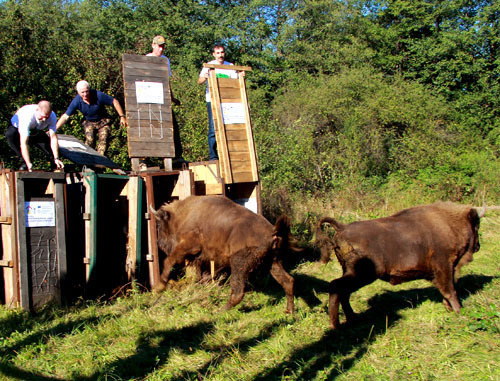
(214, 228)
(425, 242)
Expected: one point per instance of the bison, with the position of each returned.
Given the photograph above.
(425, 242)
(213, 228)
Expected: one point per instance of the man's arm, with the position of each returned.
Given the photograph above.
(119, 110)
(23, 140)
(63, 119)
(54, 145)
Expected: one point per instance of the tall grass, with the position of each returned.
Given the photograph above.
(404, 332)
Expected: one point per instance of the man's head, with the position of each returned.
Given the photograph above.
(219, 54)
(158, 46)
(83, 90)
(43, 110)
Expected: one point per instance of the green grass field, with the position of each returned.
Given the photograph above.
(404, 332)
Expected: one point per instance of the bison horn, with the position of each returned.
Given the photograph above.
(481, 212)
(155, 212)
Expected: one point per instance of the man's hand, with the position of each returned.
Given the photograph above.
(59, 164)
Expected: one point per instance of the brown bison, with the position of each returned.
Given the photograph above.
(425, 242)
(214, 228)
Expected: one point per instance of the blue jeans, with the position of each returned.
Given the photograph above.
(212, 143)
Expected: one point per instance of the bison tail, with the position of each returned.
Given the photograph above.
(323, 241)
(281, 235)
(328, 220)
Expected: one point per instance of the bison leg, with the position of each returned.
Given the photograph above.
(340, 292)
(445, 285)
(178, 255)
(286, 281)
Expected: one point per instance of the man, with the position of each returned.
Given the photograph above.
(27, 128)
(91, 104)
(219, 54)
(158, 47)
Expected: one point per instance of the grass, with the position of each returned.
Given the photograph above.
(404, 332)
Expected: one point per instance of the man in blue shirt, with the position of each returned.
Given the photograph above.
(91, 103)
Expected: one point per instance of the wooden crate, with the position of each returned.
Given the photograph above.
(148, 104)
(233, 128)
(41, 240)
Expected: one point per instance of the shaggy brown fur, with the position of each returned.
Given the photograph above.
(425, 242)
(214, 228)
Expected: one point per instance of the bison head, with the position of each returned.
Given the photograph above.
(163, 218)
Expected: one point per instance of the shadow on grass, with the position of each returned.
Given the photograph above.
(350, 343)
(154, 348)
(37, 337)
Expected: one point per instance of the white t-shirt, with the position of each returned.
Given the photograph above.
(168, 62)
(25, 120)
(219, 73)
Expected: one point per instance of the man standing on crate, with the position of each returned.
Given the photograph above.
(219, 54)
(27, 129)
(91, 104)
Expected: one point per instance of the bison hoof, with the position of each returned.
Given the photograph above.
(159, 287)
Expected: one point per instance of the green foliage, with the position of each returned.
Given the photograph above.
(353, 97)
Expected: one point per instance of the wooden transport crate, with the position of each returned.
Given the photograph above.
(41, 240)
(233, 128)
(149, 112)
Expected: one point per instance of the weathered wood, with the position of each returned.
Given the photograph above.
(228, 67)
(5, 220)
(133, 239)
(8, 238)
(150, 125)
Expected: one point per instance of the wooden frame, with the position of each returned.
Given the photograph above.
(233, 128)
(55, 186)
(150, 125)
(9, 262)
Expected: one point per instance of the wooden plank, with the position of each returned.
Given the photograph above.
(138, 116)
(240, 156)
(9, 239)
(62, 273)
(228, 67)
(219, 128)
(24, 284)
(154, 265)
(184, 187)
(145, 69)
(241, 166)
(236, 127)
(236, 135)
(214, 189)
(243, 177)
(228, 83)
(6, 263)
(133, 227)
(238, 146)
(230, 95)
(5, 220)
(250, 139)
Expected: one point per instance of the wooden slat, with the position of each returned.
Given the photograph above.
(5, 220)
(133, 117)
(237, 146)
(230, 95)
(241, 166)
(228, 67)
(235, 127)
(240, 156)
(244, 177)
(237, 135)
(225, 83)
(6, 263)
